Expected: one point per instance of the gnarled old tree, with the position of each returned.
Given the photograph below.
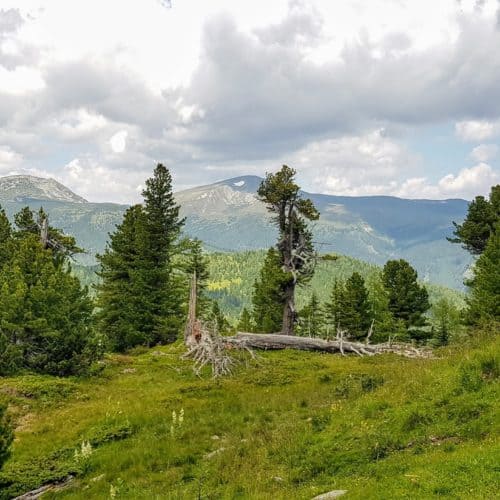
(290, 214)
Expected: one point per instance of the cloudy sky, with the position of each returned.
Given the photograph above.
(397, 97)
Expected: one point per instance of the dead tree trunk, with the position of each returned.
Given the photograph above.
(289, 314)
(192, 328)
(44, 232)
(272, 341)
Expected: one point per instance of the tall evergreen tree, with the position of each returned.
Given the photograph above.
(311, 320)
(334, 308)
(193, 260)
(356, 315)
(291, 212)
(5, 237)
(120, 290)
(484, 300)
(45, 315)
(162, 226)
(408, 301)
(245, 323)
(482, 217)
(268, 297)
(384, 322)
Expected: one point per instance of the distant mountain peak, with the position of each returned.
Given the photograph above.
(22, 187)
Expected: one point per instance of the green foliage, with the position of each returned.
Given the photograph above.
(408, 301)
(121, 316)
(45, 315)
(27, 224)
(141, 296)
(311, 320)
(6, 434)
(356, 316)
(379, 427)
(445, 319)
(245, 323)
(217, 317)
(160, 298)
(482, 217)
(484, 299)
(268, 298)
(291, 212)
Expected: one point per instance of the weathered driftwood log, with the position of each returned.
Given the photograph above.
(272, 341)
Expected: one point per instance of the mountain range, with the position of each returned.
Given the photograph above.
(227, 216)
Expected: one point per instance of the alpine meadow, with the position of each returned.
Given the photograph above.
(249, 250)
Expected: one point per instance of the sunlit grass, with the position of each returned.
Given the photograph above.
(290, 425)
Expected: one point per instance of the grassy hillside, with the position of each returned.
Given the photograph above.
(288, 426)
(232, 276)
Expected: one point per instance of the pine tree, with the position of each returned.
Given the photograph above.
(484, 300)
(356, 314)
(482, 217)
(218, 318)
(162, 299)
(445, 319)
(5, 237)
(62, 245)
(45, 315)
(291, 212)
(384, 322)
(193, 260)
(408, 301)
(268, 297)
(311, 321)
(245, 323)
(334, 308)
(121, 315)
(6, 434)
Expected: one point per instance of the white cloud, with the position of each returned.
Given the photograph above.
(353, 165)
(484, 152)
(467, 183)
(118, 141)
(477, 130)
(9, 160)
(97, 182)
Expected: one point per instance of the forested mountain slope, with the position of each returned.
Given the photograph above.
(227, 216)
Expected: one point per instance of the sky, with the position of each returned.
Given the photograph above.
(387, 97)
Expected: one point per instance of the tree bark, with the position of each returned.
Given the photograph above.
(289, 310)
(273, 341)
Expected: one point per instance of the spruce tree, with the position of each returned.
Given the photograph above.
(5, 237)
(482, 217)
(408, 301)
(268, 297)
(161, 297)
(384, 322)
(484, 300)
(45, 315)
(120, 291)
(218, 318)
(193, 260)
(311, 321)
(356, 315)
(245, 323)
(334, 308)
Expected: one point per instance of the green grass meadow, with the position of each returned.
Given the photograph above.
(288, 425)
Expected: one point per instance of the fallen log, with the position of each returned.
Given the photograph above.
(274, 341)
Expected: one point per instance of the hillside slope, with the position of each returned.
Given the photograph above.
(232, 277)
(290, 425)
(227, 216)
